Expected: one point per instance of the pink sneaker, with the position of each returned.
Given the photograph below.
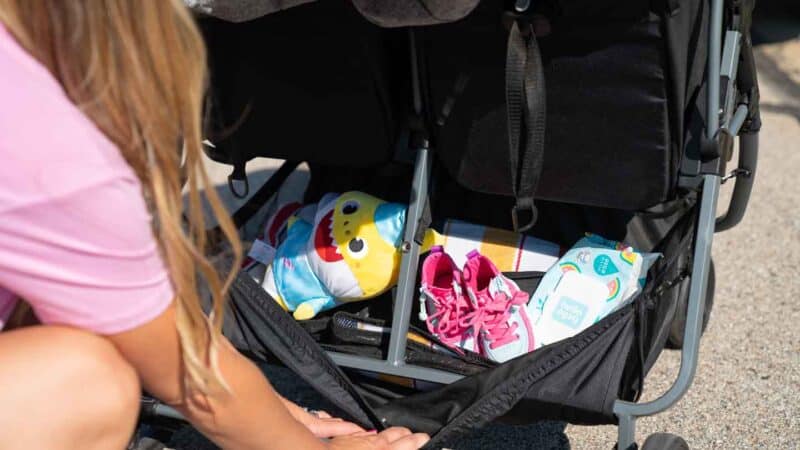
(442, 301)
(500, 317)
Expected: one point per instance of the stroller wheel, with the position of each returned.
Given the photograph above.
(664, 441)
(675, 340)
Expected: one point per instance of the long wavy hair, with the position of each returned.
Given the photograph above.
(137, 69)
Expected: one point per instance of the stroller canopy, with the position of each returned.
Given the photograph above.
(395, 13)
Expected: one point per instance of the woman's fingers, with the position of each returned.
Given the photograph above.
(323, 414)
(394, 433)
(365, 433)
(403, 439)
(410, 442)
(394, 438)
(328, 428)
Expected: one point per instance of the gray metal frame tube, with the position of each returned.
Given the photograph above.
(695, 307)
(627, 412)
(730, 63)
(402, 370)
(163, 410)
(737, 120)
(714, 66)
(409, 263)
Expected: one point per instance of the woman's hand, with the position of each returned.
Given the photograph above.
(322, 425)
(249, 415)
(348, 435)
(395, 438)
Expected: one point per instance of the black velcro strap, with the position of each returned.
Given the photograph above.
(424, 223)
(526, 109)
(264, 193)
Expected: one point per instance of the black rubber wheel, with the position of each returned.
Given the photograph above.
(664, 441)
(675, 340)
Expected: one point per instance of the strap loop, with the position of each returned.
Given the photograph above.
(239, 174)
(524, 215)
(526, 111)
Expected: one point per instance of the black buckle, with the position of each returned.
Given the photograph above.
(522, 13)
(529, 212)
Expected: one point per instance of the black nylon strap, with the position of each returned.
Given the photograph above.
(264, 193)
(424, 223)
(239, 173)
(526, 109)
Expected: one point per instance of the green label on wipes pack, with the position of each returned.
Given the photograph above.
(604, 266)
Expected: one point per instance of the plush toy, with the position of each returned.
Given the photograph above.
(344, 249)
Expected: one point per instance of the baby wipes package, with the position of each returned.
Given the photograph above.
(565, 304)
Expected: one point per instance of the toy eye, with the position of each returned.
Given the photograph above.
(357, 248)
(350, 207)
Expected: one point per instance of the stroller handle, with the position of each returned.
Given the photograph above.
(745, 175)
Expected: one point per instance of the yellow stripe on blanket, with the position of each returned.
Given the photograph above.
(501, 247)
(509, 251)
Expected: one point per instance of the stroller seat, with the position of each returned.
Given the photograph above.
(271, 93)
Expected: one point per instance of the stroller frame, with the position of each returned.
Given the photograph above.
(722, 67)
(736, 111)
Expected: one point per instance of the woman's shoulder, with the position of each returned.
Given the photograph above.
(48, 147)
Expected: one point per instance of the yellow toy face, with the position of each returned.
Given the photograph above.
(368, 231)
(355, 246)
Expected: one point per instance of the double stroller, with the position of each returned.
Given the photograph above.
(549, 117)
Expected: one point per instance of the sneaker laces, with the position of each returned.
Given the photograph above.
(499, 331)
(492, 314)
(445, 323)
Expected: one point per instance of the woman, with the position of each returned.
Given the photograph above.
(100, 121)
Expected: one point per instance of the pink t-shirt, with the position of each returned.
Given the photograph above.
(75, 235)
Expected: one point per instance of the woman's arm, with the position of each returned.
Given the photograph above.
(251, 416)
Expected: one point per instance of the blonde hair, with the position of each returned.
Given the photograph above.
(137, 69)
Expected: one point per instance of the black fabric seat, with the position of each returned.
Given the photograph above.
(312, 83)
(609, 107)
(319, 83)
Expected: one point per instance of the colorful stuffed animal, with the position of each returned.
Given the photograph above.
(344, 249)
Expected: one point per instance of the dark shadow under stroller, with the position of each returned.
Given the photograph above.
(618, 118)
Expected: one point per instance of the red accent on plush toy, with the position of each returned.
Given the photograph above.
(278, 221)
(323, 241)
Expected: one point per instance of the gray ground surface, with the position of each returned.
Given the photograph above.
(747, 390)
